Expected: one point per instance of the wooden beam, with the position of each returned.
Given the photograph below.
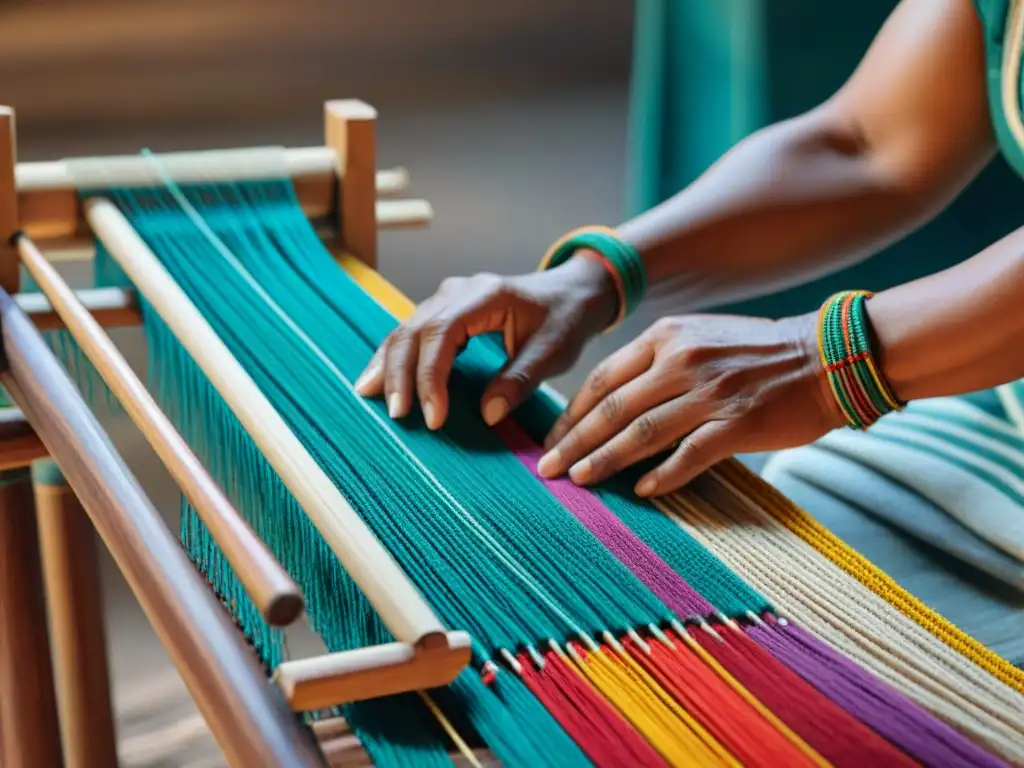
(10, 272)
(350, 130)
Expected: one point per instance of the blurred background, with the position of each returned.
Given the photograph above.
(517, 120)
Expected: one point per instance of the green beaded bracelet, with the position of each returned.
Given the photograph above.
(858, 386)
(619, 257)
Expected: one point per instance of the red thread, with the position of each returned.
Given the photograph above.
(836, 735)
(732, 721)
(599, 730)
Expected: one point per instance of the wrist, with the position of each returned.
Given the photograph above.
(587, 273)
(803, 331)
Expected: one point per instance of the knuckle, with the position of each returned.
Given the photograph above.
(646, 430)
(612, 407)
(602, 462)
(598, 378)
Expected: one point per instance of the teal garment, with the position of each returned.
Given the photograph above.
(707, 74)
(935, 495)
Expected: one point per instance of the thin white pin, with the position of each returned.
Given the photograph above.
(557, 649)
(661, 636)
(757, 621)
(711, 630)
(589, 642)
(537, 658)
(575, 654)
(609, 639)
(512, 661)
(641, 643)
(679, 629)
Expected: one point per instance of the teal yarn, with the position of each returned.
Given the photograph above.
(45, 472)
(623, 258)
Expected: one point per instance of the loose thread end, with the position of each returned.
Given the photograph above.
(588, 641)
(711, 630)
(755, 619)
(614, 644)
(554, 646)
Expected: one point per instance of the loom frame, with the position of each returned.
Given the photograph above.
(48, 545)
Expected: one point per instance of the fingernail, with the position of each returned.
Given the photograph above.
(581, 471)
(430, 415)
(646, 487)
(495, 410)
(549, 464)
(365, 379)
(394, 405)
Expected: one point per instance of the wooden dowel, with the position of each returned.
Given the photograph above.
(49, 210)
(272, 590)
(392, 181)
(110, 307)
(403, 214)
(399, 604)
(19, 443)
(365, 673)
(350, 130)
(246, 713)
(10, 277)
(75, 606)
(28, 704)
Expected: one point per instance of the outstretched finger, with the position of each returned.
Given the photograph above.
(650, 433)
(616, 370)
(440, 342)
(699, 451)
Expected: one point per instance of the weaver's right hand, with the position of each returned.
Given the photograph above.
(546, 318)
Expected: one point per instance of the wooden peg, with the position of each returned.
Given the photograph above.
(367, 673)
(350, 130)
(9, 270)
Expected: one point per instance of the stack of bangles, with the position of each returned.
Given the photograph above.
(617, 256)
(857, 384)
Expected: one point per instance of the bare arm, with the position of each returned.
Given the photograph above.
(814, 194)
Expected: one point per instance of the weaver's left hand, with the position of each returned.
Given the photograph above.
(707, 387)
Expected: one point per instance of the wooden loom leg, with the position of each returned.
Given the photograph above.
(71, 572)
(31, 730)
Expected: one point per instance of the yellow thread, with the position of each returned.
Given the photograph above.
(668, 728)
(460, 743)
(761, 709)
(866, 572)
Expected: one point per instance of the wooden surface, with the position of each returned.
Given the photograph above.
(400, 606)
(247, 716)
(31, 736)
(9, 274)
(273, 591)
(343, 750)
(110, 307)
(350, 129)
(19, 444)
(325, 681)
(75, 608)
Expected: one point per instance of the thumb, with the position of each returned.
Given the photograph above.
(541, 356)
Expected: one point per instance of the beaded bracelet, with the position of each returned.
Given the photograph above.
(620, 258)
(858, 386)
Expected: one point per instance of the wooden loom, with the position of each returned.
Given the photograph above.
(338, 186)
(251, 718)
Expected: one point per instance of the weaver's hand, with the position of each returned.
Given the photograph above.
(546, 318)
(705, 387)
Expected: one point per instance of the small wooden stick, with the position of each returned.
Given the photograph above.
(350, 130)
(28, 702)
(10, 275)
(366, 673)
(275, 594)
(392, 181)
(75, 606)
(110, 307)
(19, 443)
(401, 607)
(399, 214)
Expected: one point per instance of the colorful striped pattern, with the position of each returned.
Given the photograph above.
(722, 627)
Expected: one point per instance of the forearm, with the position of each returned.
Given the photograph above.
(791, 203)
(957, 331)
